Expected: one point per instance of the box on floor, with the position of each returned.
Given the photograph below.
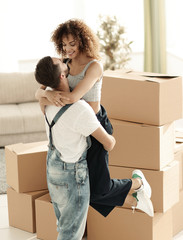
(121, 223)
(142, 146)
(45, 219)
(46, 226)
(142, 97)
(21, 209)
(26, 166)
(164, 184)
(177, 212)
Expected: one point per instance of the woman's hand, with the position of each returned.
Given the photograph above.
(56, 97)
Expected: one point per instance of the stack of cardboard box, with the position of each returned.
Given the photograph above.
(177, 209)
(142, 108)
(26, 177)
(29, 203)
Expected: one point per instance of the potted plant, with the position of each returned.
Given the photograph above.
(115, 49)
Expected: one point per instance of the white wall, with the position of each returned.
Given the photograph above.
(174, 64)
(26, 25)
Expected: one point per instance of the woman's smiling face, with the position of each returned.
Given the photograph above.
(70, 46)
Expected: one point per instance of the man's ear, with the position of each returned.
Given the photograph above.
(62, 76)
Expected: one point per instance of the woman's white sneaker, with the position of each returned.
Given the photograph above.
(145, 185)
(143, 203)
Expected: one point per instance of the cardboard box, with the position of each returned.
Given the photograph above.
(149, 98)
(46, 226)
(177, 212)
(178, 137)
(26, 166)
(179, 157)
(21, 209)
(178, 141)
(164, 184)
(142, 146)
(121, 223)
(45, 219)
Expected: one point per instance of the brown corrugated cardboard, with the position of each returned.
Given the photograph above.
(26, 166)
(46, 226)
(45, 219)
(164, 184)
(142, 146)
(121, 223)
(179, 157)
(177, 212)
(21, 209)
(142, 97)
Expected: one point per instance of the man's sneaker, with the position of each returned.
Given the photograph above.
(145, 185)
(143, 203)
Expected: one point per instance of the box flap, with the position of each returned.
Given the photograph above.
(156, 75)
(179, 140)
(15, 147)
(179, 134)
(178, 137)
(142, 76)
(44, 198)
(42, 148)
(123, 75)
(27, 148)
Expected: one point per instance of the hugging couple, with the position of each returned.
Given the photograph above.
(80, 134)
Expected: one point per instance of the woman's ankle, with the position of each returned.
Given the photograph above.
(130, 201)
(136, 183)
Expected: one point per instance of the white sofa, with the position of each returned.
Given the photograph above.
(21, 119)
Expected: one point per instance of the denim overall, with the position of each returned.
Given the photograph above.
(68, 185)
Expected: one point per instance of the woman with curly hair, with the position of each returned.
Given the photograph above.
(76, 41)
(79, 47)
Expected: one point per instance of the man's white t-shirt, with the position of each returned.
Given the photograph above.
(70, 131)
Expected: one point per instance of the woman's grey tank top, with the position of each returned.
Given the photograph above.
(94, 94)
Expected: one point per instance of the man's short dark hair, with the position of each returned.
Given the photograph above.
(47, 73)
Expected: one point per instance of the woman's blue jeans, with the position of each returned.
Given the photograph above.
(68, 185)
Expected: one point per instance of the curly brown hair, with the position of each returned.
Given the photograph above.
(87, 39)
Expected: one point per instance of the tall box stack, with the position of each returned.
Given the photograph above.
(29, 204)
(26, 178)
(142, 108)
(177, 210)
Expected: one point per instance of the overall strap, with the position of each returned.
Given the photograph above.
(55, 119)
(88, 64)
(59, 114)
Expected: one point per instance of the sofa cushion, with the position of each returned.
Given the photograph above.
(21, 118)
(17, 87)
